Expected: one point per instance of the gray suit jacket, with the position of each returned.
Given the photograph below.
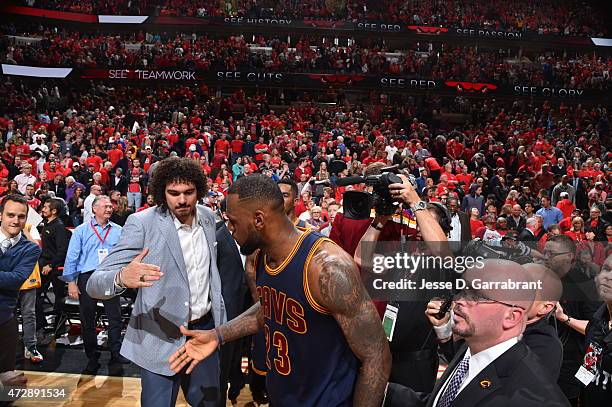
(153, 332)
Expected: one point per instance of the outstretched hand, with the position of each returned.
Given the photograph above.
(138, 274)
(199, 347)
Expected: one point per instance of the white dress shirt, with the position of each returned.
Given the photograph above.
(23, 181)
(455, 233)
(88, 208)
(478, 363)
(13, 240)
(197, 261)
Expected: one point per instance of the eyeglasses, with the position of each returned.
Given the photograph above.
(469, 294)
(550, 255)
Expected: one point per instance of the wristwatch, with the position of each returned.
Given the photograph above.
(418, 206)
(377, 225)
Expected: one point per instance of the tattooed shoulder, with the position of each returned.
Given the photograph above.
(337, 279)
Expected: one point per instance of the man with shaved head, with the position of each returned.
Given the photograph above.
(495, 367)
(540, 336)
(516, 220)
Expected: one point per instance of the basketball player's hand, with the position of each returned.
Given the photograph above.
(138, 274)
(201, 345)
(433, 307)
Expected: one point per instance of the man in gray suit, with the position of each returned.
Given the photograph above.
(178, 285)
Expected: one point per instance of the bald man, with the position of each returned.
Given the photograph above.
(540, 336)
(495, 368)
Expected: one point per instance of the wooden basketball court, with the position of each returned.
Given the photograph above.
(99, 391)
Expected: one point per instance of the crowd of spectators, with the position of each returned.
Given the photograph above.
(507, 160)
(111, 7)
(462, 63)
(561, 17)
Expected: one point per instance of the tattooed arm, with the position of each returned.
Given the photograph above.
(334, 279)
(203, 343)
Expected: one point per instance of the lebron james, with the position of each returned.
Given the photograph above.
(325, 345)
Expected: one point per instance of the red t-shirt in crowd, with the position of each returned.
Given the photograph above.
(432, 164)
(475, 225)
(96, 161)
(115, 155)
(260, 146)
(222, 146)
(566, 206)
(237, 146)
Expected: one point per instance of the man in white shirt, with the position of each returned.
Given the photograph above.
(168, 252)
(495, 368)
(25, 178)
(391, 149)
(95, 191)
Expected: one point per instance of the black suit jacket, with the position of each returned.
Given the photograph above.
(466, 232)
(233, 289)
(121, 186)
(520, 225)
(516, 378)
(540, 336)
(58, 189)
(527, 236)
(231, 270)
(55, 239)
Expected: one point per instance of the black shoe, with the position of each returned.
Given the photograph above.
(119, 359)
(92, 367)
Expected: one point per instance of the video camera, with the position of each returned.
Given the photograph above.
(358, 205)
(506, 249)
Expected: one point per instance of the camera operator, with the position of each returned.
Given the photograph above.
(347, 232)
(413, 347)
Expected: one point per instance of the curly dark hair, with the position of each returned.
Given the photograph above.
(174, 169)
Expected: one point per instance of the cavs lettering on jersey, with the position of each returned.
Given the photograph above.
(308, 359)
(258, 344)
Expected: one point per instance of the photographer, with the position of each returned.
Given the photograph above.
(347, 231)
(413, 347)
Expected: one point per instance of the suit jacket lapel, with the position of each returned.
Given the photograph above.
(481, 386)
(451, 367)
(232, 243)
(168, 231)
(490, 378)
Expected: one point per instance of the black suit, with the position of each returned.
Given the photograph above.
(234, 291)
(519, 226)
(466, 229)
(581, 197)
(527, 235)
(516, 378)
(55, 239)
(540, 336)
(121, 185)
(58, 189)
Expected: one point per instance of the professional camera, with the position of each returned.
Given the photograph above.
(358, 205)
(506, 249)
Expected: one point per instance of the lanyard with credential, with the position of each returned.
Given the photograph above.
(98, 235)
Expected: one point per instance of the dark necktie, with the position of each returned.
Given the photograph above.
(454, 383)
